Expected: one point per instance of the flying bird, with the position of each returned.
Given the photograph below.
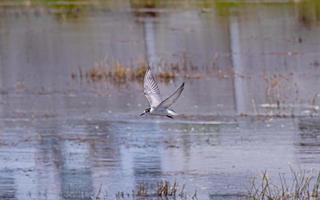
(157, 105)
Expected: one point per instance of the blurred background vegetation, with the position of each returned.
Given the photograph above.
(308, 5)
(308, 10)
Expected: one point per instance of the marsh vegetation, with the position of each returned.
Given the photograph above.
(299, 186)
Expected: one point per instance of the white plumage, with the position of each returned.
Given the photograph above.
(152, 93)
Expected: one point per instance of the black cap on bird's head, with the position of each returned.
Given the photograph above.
(147, 110)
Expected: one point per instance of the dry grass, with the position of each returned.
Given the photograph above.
(299, 187)
(118, 73)
(162, 190)
(166, 76)
(302, 187)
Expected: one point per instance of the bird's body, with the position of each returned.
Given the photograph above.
(152, 93)
(164, 112)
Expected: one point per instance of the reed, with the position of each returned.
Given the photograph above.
(300, 186)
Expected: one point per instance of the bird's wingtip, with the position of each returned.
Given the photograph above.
(148, 67)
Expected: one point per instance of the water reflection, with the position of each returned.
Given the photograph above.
(7, 185)
(49, 160)
(149, 31)
(73, 158)
(142, 142)
(308, 142)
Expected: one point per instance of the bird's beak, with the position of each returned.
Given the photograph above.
(142, 114)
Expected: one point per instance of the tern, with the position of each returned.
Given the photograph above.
(157, 105)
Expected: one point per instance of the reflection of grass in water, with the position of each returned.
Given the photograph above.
(302, 186)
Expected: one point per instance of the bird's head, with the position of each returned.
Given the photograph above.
(147, 110)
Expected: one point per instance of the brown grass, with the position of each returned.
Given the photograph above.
(302, 187)
(139, 71)
(117, 74)
(162, 190)
(166, 76)
(121, 74)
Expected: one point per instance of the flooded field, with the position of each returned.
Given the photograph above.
(71, 93)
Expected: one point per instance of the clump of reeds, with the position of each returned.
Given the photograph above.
(118, 73)
(302, 187)
(165, 190)
(166, 76)
(139, 71)
(162, 190)
(97, 74)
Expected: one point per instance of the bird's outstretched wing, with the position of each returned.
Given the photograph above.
(151, 89)
(172, 98)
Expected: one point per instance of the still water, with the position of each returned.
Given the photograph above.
(67, 137)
